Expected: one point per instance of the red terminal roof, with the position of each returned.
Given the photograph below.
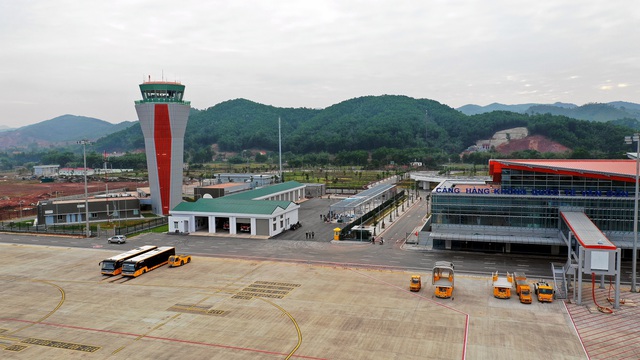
(620, 170)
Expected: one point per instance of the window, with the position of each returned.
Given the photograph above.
(93, 215)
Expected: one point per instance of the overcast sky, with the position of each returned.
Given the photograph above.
(88, 57)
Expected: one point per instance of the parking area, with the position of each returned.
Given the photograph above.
(56, 305)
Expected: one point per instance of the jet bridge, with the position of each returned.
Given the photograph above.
(590, 252)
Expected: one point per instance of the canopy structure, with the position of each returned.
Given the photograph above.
(363, 201)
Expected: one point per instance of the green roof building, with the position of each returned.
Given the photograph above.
(263, 212)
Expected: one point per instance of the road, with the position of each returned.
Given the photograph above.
(296, 247)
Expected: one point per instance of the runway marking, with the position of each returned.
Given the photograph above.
(61, 345)
(295, 323)
(15, 347)
(196, 309)
(266, 289)
(50, 312)
(222, 346)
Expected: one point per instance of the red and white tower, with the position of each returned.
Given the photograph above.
(163, 117)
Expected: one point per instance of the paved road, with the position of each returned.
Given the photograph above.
(295, 246)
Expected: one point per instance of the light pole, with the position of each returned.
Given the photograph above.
(630, 140)
(86, 194)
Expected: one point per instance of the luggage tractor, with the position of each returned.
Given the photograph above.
(416, 283)
(443, 279)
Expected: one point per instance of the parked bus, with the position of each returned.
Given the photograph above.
(148, 261)
(113, 265)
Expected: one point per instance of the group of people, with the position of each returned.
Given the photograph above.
(310, 234)
(373, 240)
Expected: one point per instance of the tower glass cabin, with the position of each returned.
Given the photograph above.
(163, 116)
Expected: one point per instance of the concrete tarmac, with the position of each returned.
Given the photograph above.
(57, 305)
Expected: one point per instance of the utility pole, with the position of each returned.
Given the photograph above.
(86, 194)
(280, 147)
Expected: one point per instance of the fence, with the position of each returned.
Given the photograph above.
(78, 230)
(147, 225)
(69, 230)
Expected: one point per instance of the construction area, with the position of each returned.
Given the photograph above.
(57, 305)
(19, 198)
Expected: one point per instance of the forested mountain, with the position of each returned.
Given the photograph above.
(370, 130)
(59, 131)
(591, 112)
(366, 124)
(611, 111)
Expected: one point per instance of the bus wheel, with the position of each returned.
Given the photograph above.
(188, 260)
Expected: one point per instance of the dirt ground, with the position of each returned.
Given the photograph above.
(16, 193)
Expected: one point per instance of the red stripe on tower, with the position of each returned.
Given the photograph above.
(162, 138)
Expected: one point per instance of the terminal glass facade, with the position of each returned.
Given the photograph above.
(609, 204)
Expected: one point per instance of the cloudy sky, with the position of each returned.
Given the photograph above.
(88, 57)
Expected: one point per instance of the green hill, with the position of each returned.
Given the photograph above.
(369, 124)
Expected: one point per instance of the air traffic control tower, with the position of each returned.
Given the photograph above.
(163, 116)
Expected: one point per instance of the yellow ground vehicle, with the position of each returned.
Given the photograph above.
(148, 261)
(443, 279)
(179, 260)
(416, 283)
(523, 290)
(544, 291)
(502, 285)
(113, 265)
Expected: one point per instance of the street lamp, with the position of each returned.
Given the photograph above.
(629, 140)
(86, 194)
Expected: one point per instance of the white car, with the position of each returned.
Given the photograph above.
(120, 239)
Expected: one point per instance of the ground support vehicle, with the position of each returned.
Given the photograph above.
(113, 265)
(148, 261)
(179, 260)
(502, 285)
(523, 290)
(443, 279)
(544, 291)
(416, 283)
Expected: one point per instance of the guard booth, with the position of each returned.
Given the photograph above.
(589, 252)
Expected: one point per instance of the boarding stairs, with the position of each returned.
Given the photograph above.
(560, 272)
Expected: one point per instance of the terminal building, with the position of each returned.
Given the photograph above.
(519, 209)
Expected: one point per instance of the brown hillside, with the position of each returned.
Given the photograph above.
(535, 142)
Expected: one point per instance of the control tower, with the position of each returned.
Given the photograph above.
(163, 118)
